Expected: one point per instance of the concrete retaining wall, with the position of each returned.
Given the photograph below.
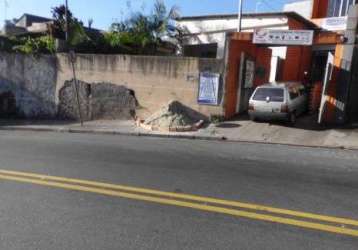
(154, 80)
(32, 80)
(37, 81)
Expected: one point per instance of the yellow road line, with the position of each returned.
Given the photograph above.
(190, 197)
(209, 208)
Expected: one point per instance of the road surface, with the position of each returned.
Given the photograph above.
(78, 191)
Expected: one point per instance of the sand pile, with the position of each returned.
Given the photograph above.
(173, 116)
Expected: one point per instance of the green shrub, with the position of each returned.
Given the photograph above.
(44, 44)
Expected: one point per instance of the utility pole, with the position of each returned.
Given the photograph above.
(240, 16)
(72, 56)
(66, 16)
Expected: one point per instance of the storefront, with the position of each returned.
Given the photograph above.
(315, 54)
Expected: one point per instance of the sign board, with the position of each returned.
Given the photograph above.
(283, 37)
(334, 23)
(209, 89)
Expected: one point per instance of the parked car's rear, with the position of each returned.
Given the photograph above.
(278, 101)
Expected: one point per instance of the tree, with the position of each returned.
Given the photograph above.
(163, 20)
(142, 31)
(59, 16)
(77, 34)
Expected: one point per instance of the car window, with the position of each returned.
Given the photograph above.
(275, 95)
(294, 93)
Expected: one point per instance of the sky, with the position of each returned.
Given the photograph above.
(104, 12)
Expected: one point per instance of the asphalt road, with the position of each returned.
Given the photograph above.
(33, 216)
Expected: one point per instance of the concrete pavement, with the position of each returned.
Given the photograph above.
(236, 130)
(321, 181)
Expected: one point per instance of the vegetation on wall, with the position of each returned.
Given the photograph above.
(153, 33)
(40, 45)
(145, 33)
(29, 45)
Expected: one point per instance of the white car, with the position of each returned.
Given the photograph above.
(278, 101)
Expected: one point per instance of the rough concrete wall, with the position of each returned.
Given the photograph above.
(37, 82)
(32, 80)
(97, 101)
(154, 80)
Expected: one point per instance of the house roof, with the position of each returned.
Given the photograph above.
(39, 19)
(290, 14)
(33, 18)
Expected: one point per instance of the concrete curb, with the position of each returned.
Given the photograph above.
(102, 132)
(190, 137)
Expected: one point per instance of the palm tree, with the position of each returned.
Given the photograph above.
(148, 30)
(163, 21)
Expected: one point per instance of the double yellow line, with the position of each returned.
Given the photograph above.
(325, 223)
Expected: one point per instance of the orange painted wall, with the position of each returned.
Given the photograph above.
(263, 59)
(320, 8)
(298, 58)
(236, 47)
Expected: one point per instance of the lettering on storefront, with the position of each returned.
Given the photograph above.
(283, 37)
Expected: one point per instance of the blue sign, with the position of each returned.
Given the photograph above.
(209, 89)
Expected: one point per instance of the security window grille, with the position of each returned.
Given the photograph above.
(338, 8)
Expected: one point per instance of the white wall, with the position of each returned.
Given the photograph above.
(350, 34)
(304, 8)
(277, 52)
(210, 30)
(205, 31)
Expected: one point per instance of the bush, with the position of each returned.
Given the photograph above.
(44, 44)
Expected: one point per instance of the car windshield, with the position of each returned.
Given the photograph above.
(275, 95)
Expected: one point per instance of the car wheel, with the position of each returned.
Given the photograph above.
(292, 118)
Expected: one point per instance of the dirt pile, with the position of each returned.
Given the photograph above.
(174, 116)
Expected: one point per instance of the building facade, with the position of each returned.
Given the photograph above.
(325, 64)
(27, 24)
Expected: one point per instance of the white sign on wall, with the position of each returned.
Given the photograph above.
(283, 37)
(209, 89)
(334, 23)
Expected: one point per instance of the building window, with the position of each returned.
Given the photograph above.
(338, 8)
(201, 50)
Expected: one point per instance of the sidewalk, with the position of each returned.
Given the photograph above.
(241, 130)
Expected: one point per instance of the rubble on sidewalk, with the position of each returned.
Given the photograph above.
(173, 117)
